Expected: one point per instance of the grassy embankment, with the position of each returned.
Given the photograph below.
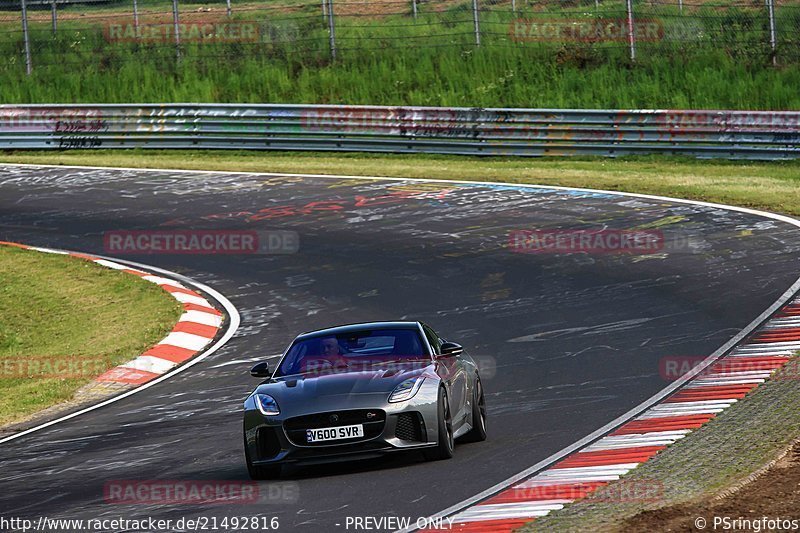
(64, 321)
(386, 57)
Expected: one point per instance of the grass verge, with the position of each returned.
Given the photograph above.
(773, 493)
(723, 453)
(63, 321)
(769, 186)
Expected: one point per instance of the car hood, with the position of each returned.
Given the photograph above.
(310, 387)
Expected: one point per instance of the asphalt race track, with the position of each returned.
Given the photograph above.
(567, 341)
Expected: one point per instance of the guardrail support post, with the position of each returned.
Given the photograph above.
(54, 16)
(331, 30)
(631, 36)
(26, 38)
(228, 5)
(177, 30)
(414, 7)
(136, 17)
(773, 37)
(477, 22)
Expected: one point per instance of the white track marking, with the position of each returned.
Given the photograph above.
(185, 340)
(251, 360)
(148, 363)
(159, 280)
(678, 412)
(702, 404)
(510, 510)
(105, 263)
(49, 250)
(189, 299)
(200, 317)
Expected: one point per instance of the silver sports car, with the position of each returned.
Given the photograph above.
(360, 391)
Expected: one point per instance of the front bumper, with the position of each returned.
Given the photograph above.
(391, 427)
(271, 442)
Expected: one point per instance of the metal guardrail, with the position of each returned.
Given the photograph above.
(515, 132)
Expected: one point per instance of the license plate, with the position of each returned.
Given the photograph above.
(337, 433)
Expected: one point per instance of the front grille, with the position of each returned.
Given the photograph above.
(372, 419)
(267, 442)
(355, 448)
(409, 427)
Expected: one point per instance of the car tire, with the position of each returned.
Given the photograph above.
(257, 472)
(478, 431)
(446, 446)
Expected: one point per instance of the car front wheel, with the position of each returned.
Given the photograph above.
(478, 431)
(446, 445)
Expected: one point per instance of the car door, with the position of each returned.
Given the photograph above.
(453, 373)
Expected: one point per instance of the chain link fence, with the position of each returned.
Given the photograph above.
(37, 34)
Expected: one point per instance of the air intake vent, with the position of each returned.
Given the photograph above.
(409, 427)
(268, 444)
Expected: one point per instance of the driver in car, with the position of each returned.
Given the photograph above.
(331, 358)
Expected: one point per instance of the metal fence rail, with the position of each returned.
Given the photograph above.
(516, 132)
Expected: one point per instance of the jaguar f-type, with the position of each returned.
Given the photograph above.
(361, 391)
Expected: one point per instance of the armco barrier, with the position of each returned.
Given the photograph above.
(516, 132)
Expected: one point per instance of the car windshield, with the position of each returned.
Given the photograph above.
(354, 351)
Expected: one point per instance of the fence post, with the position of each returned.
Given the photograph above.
(325, 12)
(631, 36)
(136, 17)
(773, 38)
(26, 38)
(331, 30)
(177, 30)
(477, 22)
(414, 7)
(54, 15)
(513, 6)
(228, 5)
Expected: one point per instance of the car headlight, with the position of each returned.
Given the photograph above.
(406, 389)
(267, 405)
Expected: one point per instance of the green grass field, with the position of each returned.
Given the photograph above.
(484, 78)
(64, 321)
(393, 59)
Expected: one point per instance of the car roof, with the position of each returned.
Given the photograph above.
(348, 328)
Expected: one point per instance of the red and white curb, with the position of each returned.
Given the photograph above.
(191, 339)
(195, 329)
(607, 459)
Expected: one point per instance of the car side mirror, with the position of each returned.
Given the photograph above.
(261, 370)
(451, 349)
